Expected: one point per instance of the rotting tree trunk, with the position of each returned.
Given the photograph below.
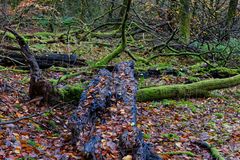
(39, 86)
(197, 89)
(105, 124)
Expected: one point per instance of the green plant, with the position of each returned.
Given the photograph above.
(32, 143)
(167, 102)
(212, 124)
(52, 123)
(155, 104)
(18, 106)
(146, 136)
(188, 104)
(38, 128)
(219, 115)
(171, 136)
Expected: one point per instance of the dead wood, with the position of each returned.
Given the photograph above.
(39, 86)
(45, 60)
(105, 124)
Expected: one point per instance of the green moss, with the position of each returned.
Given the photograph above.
(196, 89)
(71, 92)
(168, 102)
(171, 136)
(215, 153)
(212, 124)
(179, 153)
(219, 115)
(52, 124)
(38, 128)
(146, 136)
(224, 72)
(185, 17)
(104, 61)
(2, 68)
(187, 104)
(25, 80)
(193, 79)
(105, 34)
(32, 143)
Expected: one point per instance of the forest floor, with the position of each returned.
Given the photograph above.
(170, 125)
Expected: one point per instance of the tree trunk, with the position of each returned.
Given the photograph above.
(185, 17)
(230, 17)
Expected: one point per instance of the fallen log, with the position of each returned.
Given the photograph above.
(197, 89)
(44, 60)
(105, 124)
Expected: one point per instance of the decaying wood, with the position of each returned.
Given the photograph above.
(39, 86)
(44, 60)
(105, 124)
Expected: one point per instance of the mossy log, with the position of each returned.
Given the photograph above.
(197, 89)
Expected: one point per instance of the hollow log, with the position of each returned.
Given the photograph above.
(105, 124)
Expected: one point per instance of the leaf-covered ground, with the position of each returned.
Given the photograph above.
(170, 125)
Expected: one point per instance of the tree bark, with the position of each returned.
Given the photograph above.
(185, 17)
(230, 17)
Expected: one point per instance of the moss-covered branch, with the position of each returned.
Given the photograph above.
(105, 60)
(179, 153)
(213, 151)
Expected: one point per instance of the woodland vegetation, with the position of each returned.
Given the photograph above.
(119, 79)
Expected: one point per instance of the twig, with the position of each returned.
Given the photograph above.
(20, 119)
(11, 59)
(28, 117)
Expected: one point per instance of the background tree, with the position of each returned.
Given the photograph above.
(185, 17)
(230, 16)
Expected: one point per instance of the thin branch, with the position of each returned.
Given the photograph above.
(13, 60)
(30, 116)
